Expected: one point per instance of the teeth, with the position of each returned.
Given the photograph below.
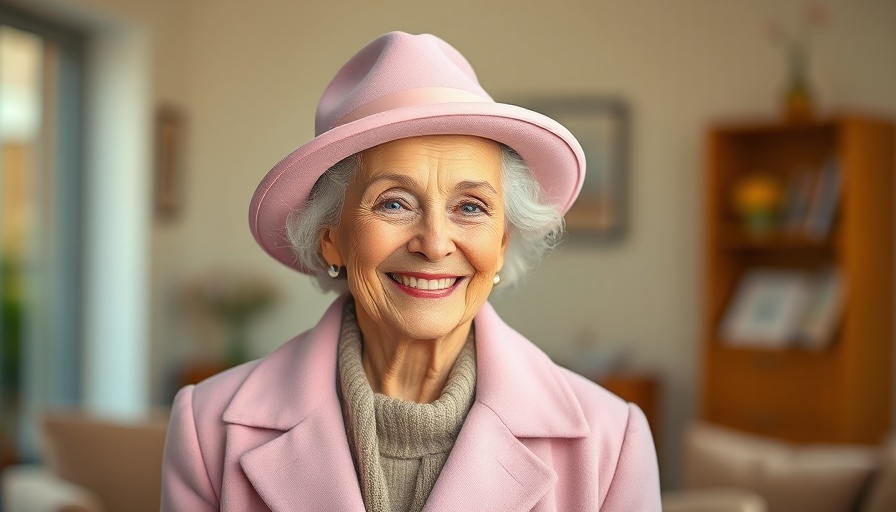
(425, 284)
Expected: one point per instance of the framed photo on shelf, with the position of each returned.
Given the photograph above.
(601, 125)
(767, 309)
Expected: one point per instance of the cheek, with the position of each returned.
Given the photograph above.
(361, 267)
(485, 248)
(369, 242)
(483, 251)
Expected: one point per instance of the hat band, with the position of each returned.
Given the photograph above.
(412, 98)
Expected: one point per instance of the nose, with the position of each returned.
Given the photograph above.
(433, 239)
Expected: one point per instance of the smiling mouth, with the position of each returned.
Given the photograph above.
(418, 283)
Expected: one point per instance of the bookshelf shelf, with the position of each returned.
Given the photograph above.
(736, 238)
(837, 390)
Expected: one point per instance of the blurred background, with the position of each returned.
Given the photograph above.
(134, 133)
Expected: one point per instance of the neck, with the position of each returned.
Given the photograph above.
(407, 368)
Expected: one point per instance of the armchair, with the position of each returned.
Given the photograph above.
(776, 476)
(91, 464)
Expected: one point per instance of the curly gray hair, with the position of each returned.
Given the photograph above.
(533, 225)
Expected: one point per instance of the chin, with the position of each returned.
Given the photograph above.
(428, 333)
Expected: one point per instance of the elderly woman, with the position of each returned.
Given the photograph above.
(417, 197)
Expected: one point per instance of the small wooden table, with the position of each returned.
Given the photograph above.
(197, 371)
(641, 389)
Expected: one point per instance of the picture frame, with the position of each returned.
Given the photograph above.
(767, 309)
(169, 139)
(602, 125)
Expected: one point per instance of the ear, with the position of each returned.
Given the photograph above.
(329, 247)
(504, 242)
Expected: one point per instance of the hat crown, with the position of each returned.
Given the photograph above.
(396, 65)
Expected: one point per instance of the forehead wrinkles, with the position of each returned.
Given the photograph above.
(455, 171)
(434, 162)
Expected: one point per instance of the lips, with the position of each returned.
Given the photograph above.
(416, 282)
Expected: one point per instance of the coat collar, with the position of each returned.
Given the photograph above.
(289, 384)
(520, 393)
(512, 375)
(521, 385)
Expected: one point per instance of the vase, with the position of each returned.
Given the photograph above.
(798, 98)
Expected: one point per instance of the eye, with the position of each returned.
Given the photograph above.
(470, 208)
(391, 205)
(394, 205)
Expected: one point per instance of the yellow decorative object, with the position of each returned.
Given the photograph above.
(756, 199)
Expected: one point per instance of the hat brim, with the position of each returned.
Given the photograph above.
(550, 151)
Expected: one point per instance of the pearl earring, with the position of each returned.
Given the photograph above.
(496, 279)
(333, 271)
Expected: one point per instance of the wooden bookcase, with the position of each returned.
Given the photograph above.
(842, 392)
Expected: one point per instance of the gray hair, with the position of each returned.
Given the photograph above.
(533, 225)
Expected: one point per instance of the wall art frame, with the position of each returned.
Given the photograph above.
(602, 126)
(170, 132)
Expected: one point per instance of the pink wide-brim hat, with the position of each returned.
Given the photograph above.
(398, 86)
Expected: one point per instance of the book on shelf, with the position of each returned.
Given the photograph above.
(811, 201)
(797, 200)
(778, 308)
(822, 317)
(825, 199)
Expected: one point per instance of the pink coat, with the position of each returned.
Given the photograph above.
(269, 435)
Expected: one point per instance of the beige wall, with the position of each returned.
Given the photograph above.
(249, 73)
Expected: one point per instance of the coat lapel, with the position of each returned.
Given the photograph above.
(490, 469)
(520, 395)
(520, 383)
(309, 467)
(293, 390)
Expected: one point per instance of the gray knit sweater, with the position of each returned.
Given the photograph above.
(399, 446)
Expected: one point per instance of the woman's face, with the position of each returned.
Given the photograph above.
(422, 233)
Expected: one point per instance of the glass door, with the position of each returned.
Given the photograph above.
(40, 148)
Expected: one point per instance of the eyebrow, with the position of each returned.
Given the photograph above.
(401, 179)
(409, 182)
(466, 185)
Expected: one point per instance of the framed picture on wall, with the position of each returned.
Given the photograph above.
(601, 125)
(169, 162)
